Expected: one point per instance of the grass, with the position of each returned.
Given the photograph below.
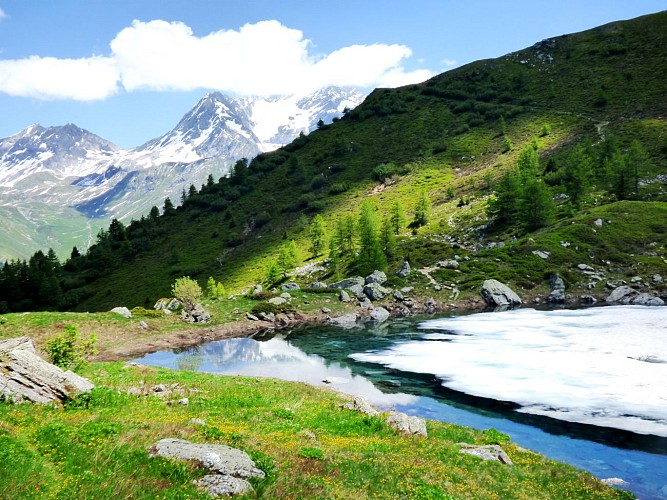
(309, 447)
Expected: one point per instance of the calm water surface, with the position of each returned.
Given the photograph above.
(586, 387)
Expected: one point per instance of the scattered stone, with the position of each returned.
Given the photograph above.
(398, 295)
(585, 267)
(407, 289)
(361, 404)
(497, 294)
(197, 315)
(437, 288)
(542, 254)
(251, 317)
(184, 401)
(290, 286)
(379, 315)
(636, 279)
(448, 264)
(24, 376)
(487, 452)
(598, 222)
(343, 296)
(326, 310)
(143, 325)
(366, 303)
(277, 301)
(406, 424)
(257, 290)
(376, 276)
(622, 294)
(357, 291)
(557, 295)
(375, 291)
(159, 388)
(430, 305)
(348, 282)
(167, 305)
(270, 317)
(345, 321)
(657, 278)
(646, 299)
(404, 270)
(286, 296)
(307, 434)
(319, 284)
(230, 466)
(123, 311)
(614, 481)
(565, 244)
(588, 299)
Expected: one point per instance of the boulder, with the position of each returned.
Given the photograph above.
(430, 305)
(448, 264)
(398, 295)
(361, 404)
(123, 311)
(257, 290)
(487, 452)
(404, 270)
(230, 466)
(622, 294)
(406, 424)
(277, 301)
(376, 291)
(357, 291)
(343, 296)
(557, 295)
(497, 294)
(290, 286)
(542, 254)
(584, 267)
(345, 321)
(24, 376)
(197, 315)
(379, 315)
(646, 299)
(251, 317)
(319, 284)
(376, 277)
(167, 305)
(349, 282)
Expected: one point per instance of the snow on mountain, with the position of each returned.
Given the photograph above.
(68, 172)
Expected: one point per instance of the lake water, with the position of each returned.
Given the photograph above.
(586, 386)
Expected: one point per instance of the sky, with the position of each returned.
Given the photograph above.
(129, 70)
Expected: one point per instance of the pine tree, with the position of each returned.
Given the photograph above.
(639, 164)
(536, 207)
(397, 217)
(504, 207)
(287, 258)
(577, 173)
(422, 211)
(317, 235)
(370, 256)
(388, 238)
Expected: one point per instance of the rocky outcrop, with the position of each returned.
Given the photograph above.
(361, 404)
(24, 376)
(376, 291)
(230, 467)
(487, 452)
(557, 295)
(197, 315)
(406, 424)
(496, 294)
(627, 295)
(167, 305)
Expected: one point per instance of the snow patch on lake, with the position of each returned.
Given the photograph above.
(605, 366)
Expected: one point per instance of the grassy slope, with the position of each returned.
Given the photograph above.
(307, 445)
(444, 136)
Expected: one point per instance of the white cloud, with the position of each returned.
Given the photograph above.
(2, 14)
(263, 59)
(449, 63)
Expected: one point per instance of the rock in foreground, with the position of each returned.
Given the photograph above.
(497, 294)
(24, 376)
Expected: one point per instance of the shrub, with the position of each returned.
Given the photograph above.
(214, 289)
(493, 436)
(383, 171)
(309, 452)
(69, 351)
(148, 313)
(187, 291)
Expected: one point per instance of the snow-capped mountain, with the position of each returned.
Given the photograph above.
(60, 185)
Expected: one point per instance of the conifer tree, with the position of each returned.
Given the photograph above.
(317, 235)
(287, 258)
(370, 256)
(388, 238)
(397, 217)
(422, 211)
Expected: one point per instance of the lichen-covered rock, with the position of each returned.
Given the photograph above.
(218, 485)
(197, 315)
(404, 271)
(497, 294)
(557, 295)
(376, 291)
(343, 296)
(406, 424)
(622, 294)
(379, 315)
(376, 276)
(487, 452)
(24, 376)
(345, 321)
(361, 404)
(348, 282)
(290, 286)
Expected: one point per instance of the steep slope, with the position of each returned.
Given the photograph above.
(81, 181)
(452, 138)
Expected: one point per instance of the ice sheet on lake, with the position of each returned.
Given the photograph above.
(605, 366)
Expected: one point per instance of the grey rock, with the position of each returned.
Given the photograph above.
(437, 288)
(448, 264)
(251, 317)
(636, 279)
(286, 296)
(431, 305)
(614, 481)
(366, 303)
(218, 485)
(588, 299)
(404, 271)
(487, 452)
(361, 404)
(398, 295)
(542, 254)
(24, 376)
(585, 267)
(143, 325)
(622, 294)
(379, 315)
(343, 296)
(123, 311)
(326, 310)
(216, 458)
(497, 294)
(407, 289)
(198, 421)
(257, 290)
(598, 222)
(344, 321)
(290, 286)
(557, 295)
(376, 276)
(270, 317)
(277, 301)
(184, 401)
(197, 315)
(646, 299)
(167, 305)
(357, 291)
(376, 291)
(319, 284)
(406, 424)
(657, 278)
(348, 282)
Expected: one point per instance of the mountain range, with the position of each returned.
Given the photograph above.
(60, 185)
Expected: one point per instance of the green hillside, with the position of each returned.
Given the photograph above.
(600, 94)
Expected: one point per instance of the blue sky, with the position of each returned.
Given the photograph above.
(128, 70)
